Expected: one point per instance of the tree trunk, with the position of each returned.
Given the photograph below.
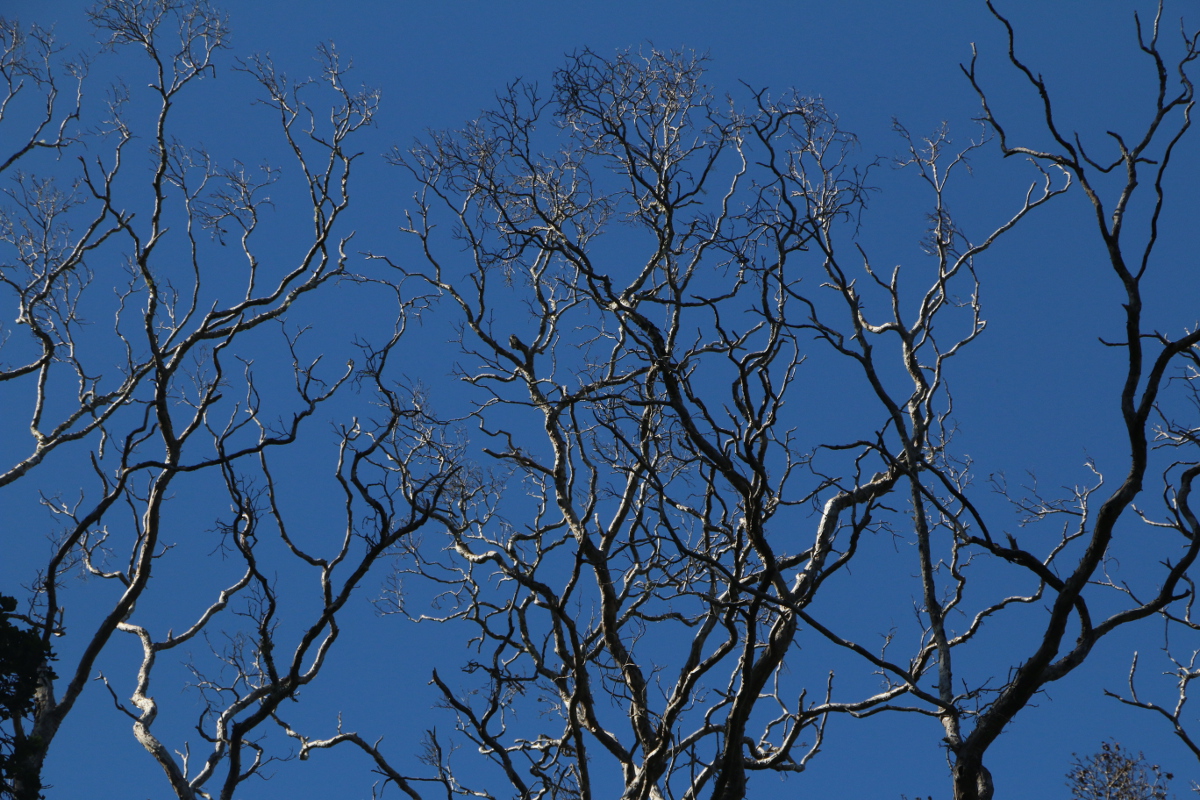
(25, 781)
(972, 780)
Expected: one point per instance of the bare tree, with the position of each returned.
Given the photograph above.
(1073, 575)
(644, 263)
(169, 397)
(638, 282)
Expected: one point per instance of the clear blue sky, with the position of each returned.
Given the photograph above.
(1037, 391)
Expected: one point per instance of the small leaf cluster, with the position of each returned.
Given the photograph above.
(1116, 774)
(23, 656)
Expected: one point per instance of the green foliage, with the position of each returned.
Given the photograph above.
(1115, 774)
(23, 656)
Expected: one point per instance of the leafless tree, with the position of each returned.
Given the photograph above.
(168, 397)
(639, 284)
(644, 266)
(1072, 576)
(1075, 578)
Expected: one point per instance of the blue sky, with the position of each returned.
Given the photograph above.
(1037, 391)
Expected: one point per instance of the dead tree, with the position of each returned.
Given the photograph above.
(165, 396)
